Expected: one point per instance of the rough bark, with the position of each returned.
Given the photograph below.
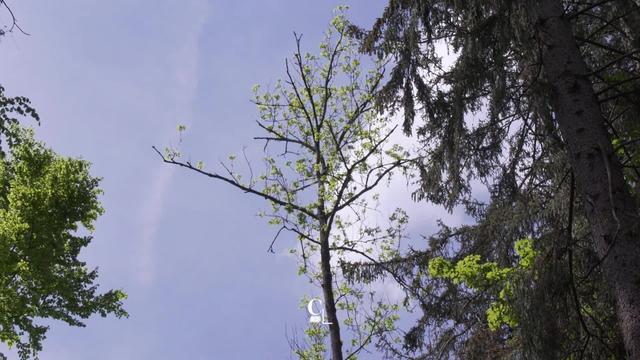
(631, 18)
(610, 208)
(327, 292)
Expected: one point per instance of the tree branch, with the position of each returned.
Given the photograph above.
(236, 184)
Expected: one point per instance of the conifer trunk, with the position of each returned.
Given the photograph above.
(610, 208)
(631, 18)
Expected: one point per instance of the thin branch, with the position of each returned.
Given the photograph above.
(365, 342)
(280, 137)
(375, 262)
(294, 86)
(588, 8)
(610, 63)
(236, 184)
(303, 76)
(14, 20)
(616, 96)
(613, 86)
(327, 91)
(604, 46)
(347, 178)
(270, 249)
(368, 186)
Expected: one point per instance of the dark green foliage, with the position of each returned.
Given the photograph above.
(11, 109)
(487, 120)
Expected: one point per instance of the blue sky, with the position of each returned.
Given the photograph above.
(112, 78)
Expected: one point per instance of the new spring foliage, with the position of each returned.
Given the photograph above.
(487, 276)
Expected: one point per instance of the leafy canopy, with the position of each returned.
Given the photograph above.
(48, 204)
(327, 150)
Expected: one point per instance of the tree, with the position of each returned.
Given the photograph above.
(48, 204)
(335, 152)
(558, 84)
(613, 215)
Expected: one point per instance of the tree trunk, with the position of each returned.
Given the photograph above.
(631, 18)
(327, 290)
(611, 211)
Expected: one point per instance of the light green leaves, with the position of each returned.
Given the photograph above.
(339, 22)
(326, 148)
(526, 252)
(488, 276)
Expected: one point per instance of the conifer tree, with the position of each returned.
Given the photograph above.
(555, 88)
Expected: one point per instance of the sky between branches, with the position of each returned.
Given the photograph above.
(112, 78)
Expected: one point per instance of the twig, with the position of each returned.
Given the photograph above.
(14, 20)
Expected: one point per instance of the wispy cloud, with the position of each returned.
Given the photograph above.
(184, 64)
(151, 213)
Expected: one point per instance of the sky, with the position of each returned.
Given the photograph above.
(112, 78)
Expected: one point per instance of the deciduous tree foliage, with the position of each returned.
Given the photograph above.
(554, 87)
(48, 205)
(333, 152)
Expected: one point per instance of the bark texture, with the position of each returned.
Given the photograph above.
(631, 18)
(327, 292)
(611, 210)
